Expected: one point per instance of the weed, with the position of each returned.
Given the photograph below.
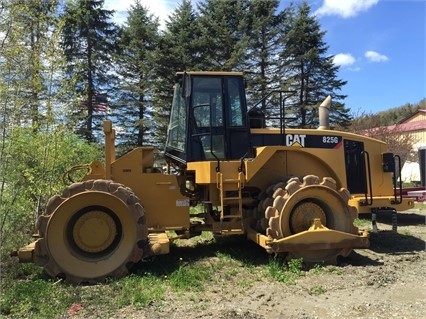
(295, 266)
(138, 291)
(289, 274)
(37, 299)
(319, 269)
(190, 277)
(317, 290)
(334, 270)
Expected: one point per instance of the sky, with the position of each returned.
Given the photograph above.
(379, 46)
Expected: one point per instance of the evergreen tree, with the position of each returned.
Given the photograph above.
(178, 51)
(89, 43)
(261, 64)
(136, 68)
(310, 71)
(223, 26)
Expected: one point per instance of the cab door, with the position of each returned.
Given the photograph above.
(218, 122)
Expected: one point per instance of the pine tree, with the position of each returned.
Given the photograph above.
(263, 33)
(310, 71)
(223, 26)
(178, 51)
(136, 68)
(89, 43)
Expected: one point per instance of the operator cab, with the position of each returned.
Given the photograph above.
(208, 118)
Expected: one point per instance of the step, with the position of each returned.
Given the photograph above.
(231, 198)
(231, 180)
(232, 232)
(232, 216)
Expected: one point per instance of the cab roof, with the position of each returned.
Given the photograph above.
(210, 73)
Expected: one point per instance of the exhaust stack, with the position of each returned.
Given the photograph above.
(324, 111)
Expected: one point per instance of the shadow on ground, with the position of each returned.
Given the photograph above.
(401, 241)
(390, 242)
(238, 248)
(410, 217)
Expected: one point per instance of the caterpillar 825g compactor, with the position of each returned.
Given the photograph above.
(293, 191)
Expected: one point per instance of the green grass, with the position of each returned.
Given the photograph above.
(190, 271)
(285, 272)
(37, 298)
(317, 290)
(362, 223)
(137, 291)
(193, 268)
(420, 206)
(44, 298)
(190, 277)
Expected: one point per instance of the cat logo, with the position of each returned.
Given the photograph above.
(297, 140)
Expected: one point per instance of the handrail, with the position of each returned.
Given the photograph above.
(368, 172)
(281, 116)
(269, 94)
(67, 178)
(395, 178)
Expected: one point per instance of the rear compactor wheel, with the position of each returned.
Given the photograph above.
(295, 207)
(95, 229)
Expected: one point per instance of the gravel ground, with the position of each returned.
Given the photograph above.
(385, 281)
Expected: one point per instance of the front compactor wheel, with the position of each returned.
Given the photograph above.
(296, 206)
(95, 229)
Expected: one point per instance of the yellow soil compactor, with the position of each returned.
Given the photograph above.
(293, 191)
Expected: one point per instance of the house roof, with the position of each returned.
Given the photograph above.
(414, 126)
(409, 127)
(401, 127)
(412, 115)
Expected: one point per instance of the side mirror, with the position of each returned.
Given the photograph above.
(388, 162)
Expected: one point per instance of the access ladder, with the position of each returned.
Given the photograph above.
(233, 186)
